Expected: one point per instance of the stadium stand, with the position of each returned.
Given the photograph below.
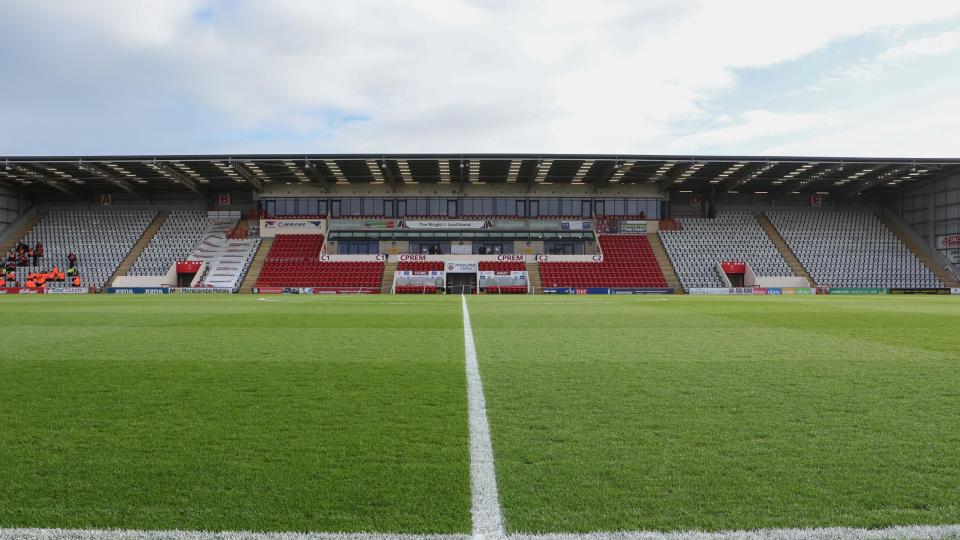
(227, 259)
(415, 289)
(628, 261)
(698, 244)
(420, 266)
(502, 266)
(850, 249)
(100, 239)
(175, 241)
(294, 261)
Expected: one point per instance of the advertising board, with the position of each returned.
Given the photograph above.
(138, 290)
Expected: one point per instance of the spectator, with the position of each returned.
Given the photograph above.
(72, 259)
(38, 250)
(33, 255)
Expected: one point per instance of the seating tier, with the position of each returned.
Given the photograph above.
(628, 262)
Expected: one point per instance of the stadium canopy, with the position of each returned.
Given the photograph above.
(840, 176)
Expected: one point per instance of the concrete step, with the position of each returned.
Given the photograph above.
(919, 252)
(533, 274)
(386, 282)
(138, 248)
(666, 266)
(784, 249)
(256, 265)
(21, 231)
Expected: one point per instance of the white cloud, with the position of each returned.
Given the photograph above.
(756, 125)
(427, 75)
(891, 59)
(943, 43)
(897, 133)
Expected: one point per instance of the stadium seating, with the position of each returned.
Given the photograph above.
(100, 239)
(420, 266)
(227, 259)
(628, 261)
(698, 244)
(294, 261)
(505, 289)
(174, 241)
(850, 249)
(502, 266)
(415, 289)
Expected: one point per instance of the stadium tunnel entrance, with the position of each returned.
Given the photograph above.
(461, 283)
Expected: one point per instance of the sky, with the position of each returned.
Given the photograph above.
(710, 77)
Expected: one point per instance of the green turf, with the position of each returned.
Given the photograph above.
(349, 413)
(230, 413)
(713, 413)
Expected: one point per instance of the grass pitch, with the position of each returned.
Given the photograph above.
(350, 413)
(226, 413)
(723, 413)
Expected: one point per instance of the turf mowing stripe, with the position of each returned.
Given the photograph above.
(485, 501)
(917, 532)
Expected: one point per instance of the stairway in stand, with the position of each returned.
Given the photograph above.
(784, 249)
(919, 252)
(253, 272)
(386, 282)
(533, 274)
(20, 233)
(138, 248)
(664, 261)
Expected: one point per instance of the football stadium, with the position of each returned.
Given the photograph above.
(479, 270)
(502, 346)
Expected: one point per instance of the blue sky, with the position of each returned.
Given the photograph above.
(306, 76)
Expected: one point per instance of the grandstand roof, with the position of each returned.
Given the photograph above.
(843, 176)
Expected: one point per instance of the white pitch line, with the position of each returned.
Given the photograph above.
(484, 498)
(912, 532)
(130, 534)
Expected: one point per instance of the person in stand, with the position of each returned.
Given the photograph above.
(33, 255)
(72, 259)
(39, 250)
(76, 281)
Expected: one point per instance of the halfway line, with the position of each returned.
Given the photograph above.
(485, 500)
